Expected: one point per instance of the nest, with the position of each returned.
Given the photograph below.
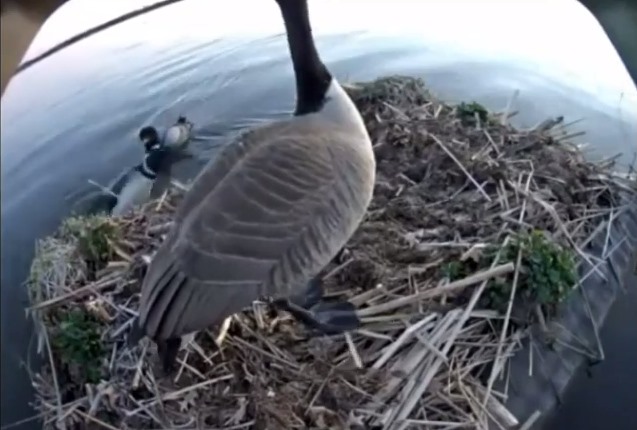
(476, 231)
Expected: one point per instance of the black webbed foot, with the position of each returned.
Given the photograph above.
(339, 315)
(167, 351)
(326, 318)
(311, 296)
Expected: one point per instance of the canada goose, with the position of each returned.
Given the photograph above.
(175, 136)
(268, 214)
(133, 188)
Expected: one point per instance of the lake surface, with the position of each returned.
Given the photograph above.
(75, 116)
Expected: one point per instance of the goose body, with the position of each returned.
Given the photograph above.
(134, 187)
(269, 213)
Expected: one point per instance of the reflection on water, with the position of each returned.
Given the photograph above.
(75, 116)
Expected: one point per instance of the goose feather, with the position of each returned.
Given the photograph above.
(259, 221)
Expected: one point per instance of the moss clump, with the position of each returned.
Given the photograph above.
(96, 237)
(470, 113)
(77, 341)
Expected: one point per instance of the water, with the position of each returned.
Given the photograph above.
(608, 394)
(75, 116)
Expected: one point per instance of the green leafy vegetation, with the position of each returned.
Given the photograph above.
(470, 113)
(454, 270)
(546, 274)
(95, 238)
(78, 342)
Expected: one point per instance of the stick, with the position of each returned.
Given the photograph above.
(103, 188)
(498, 359)
(507, 110)
(452, 287)
(93, 287)
(466, 172)
(58, 396)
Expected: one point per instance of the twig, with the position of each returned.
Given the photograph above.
(95, 420)
(75, 294)
(103, 188)
(452, 287)
(507, 110)
(507, 318)
(58, 395)
(398, 343)
(459, 164)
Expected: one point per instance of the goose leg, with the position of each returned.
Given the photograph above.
(167, 351)
(327, 318)
(311, 296)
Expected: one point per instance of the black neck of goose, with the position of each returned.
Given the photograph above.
(312, 77)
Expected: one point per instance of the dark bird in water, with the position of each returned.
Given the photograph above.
(134, 187)
(176, 136)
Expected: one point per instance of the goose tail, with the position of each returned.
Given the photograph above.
(163, 291)
(174, 304)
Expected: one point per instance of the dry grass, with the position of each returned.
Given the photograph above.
(444, 272)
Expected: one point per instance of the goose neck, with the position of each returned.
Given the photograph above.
(312, 77)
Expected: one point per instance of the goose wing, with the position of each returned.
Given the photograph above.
(264, 214)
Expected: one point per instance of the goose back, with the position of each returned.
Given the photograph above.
(269, 213)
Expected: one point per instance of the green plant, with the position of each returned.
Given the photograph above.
(547, 273)
(454, 270)
(95, 236)
(467, 113)
(78, 342)
(550, 268)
